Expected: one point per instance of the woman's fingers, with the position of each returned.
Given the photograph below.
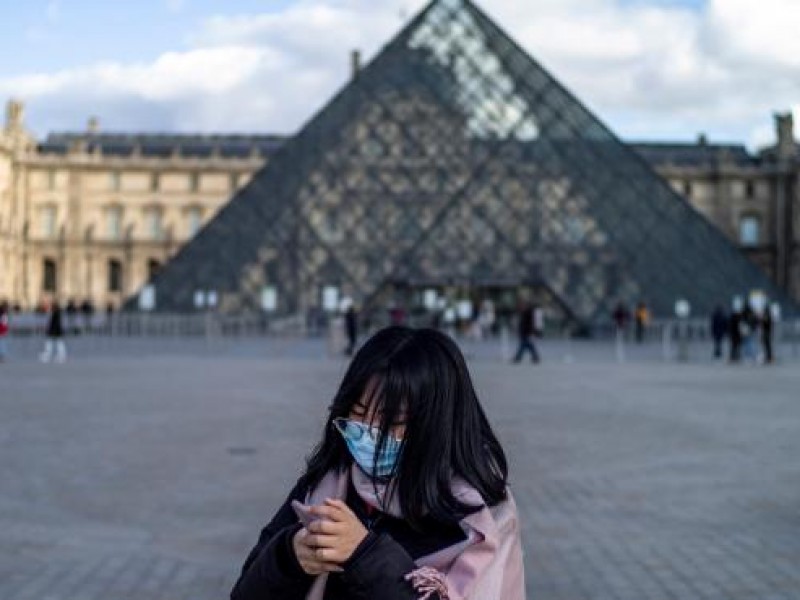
(329, 555)
(333, 510)
(321, 540)
(324, 511)
(325, 527)
(313, 565)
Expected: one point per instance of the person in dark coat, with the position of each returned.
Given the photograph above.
(526, 330)
(735, 332)
(408, 470)
(54, 344)
(71, 312)
(87, 310)
(621, 316)
(719, 329)
(351, 328)
(5, 326)
(749, 328)
(766, 335)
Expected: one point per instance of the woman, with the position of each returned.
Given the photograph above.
(55, 337)
(404, 498)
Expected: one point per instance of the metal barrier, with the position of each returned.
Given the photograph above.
(215, 325)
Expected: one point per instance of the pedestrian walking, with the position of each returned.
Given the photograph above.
(54, 346)
(351, 328)
(766, 335)
(642, 318)
(526, 329)
(749, 328)
(5, 327)
(87, 310)
(621, 317)
(719, 329)
(405, 496)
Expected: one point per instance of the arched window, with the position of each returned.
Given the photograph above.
(750, 230)
(114, 275)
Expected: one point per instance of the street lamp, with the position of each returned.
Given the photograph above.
(682, 310)
(199, 299)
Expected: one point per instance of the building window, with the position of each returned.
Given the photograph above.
(114, 275)
(750, 230)
(195, 220)
(154, 182)
(194, 182)
(687, 189)
(115, 181)
(234, 182)
(114, 222)
(153, 267)
(49, 221)
(155, 225)
(49, 276)
(749, 190)
(51, 179)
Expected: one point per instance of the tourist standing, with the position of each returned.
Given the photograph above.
(350, 328)
(54, 346)
(749, 327)
(405, 496)
(526, 329)
(719, 329)
(735, 330)
(766, 335)
(642, 321)
(5, 326)
(621, 316)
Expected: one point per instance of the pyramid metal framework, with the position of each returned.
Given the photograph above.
(454, 159)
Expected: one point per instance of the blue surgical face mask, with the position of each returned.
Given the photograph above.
(362, 441)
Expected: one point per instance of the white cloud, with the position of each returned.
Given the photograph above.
(175, 6)
(650, 71)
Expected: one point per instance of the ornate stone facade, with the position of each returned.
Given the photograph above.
(91, 215)
(754, 199)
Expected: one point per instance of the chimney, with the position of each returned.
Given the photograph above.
(93, 126)
(15, 111)
(355, 62)
(702, 139)
(784, 125)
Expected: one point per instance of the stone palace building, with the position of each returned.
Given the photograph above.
(93, 215)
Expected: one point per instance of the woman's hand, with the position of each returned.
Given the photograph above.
(307, 557)
(336, 533)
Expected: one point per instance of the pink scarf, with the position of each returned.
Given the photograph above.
(486, 566)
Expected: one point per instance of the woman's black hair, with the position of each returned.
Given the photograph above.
(418, 376)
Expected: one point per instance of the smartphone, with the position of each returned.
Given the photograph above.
(303, 512)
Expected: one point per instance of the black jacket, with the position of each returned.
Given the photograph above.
(54, 327)
(377, 568)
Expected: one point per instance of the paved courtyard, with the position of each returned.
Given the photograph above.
(148, 475)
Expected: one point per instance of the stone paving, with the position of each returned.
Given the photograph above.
(148, 476)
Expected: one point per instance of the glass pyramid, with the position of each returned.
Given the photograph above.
(454, 162)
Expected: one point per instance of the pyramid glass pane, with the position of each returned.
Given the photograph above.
(454, 161)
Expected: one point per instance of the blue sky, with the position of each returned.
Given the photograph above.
(652, 69)
(50, 35)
